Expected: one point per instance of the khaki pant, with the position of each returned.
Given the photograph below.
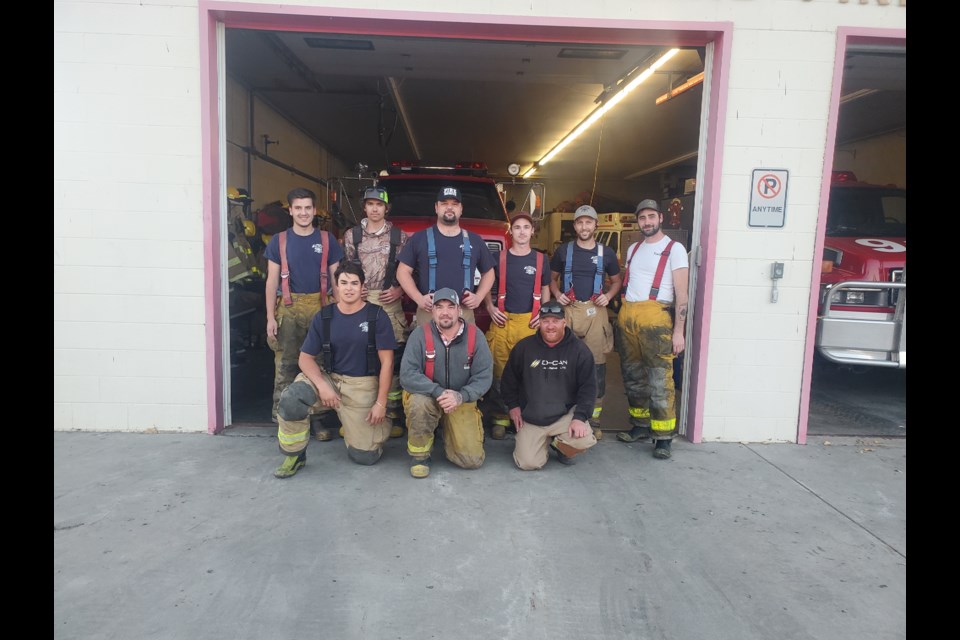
(357, 395)
(645, 345)
(591, 324)
(501, 341)
(530, 449)
(293, 322)
(462, 430)
(401, 330)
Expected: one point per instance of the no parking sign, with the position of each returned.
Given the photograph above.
(768, 197)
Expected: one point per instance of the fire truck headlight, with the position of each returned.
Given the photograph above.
(854, 297)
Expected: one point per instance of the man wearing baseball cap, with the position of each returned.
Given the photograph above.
(521, 285)
(549, 384)
(579, 268)
(374, 244)
(446, 256)
(446, 368)
(650, 329)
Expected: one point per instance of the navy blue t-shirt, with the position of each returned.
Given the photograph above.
(584, 267)
(521, 270)
(303, 258)
(348, 339)
(449, 259)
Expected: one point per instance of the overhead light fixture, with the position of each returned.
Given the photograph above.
(337, 43)
(598, 113)
(402, 110)
(856, 95)
(686, 86)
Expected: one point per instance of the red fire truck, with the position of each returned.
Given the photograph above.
(862, 313)
(413, 192)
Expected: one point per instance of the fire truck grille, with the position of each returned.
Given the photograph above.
(895, 276)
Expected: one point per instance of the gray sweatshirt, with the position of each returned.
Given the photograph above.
(471, 382)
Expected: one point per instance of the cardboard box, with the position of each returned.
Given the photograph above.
(689, 185)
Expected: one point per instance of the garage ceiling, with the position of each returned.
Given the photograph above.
(374, 99)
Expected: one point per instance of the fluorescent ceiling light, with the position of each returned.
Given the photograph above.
(856, 95)
(591, 54)
(336, 43)
(686, 86)
(598, 113)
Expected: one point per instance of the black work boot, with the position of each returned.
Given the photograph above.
(634, 435)
(662, 449)
(562, 458)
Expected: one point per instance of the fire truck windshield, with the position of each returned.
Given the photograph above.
(417, 197)
(867, 211)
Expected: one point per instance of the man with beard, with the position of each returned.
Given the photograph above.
(549, 384)
(522, 284)
(445, 256)
(579, 268)
(446, 368)
(650, 329)
(354, 341)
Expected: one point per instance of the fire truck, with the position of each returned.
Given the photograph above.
(862, 313)
(413, 189)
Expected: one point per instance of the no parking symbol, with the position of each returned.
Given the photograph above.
(768, 197)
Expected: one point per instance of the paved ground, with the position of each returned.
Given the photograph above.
(190, 536)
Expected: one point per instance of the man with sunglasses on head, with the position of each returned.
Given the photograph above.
(549, 385)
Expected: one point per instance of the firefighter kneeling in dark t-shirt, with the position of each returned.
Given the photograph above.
(353, 380)
(549, 385)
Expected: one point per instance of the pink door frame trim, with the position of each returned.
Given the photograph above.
(490, 27)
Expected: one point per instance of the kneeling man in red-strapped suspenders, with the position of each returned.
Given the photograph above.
(446, 368)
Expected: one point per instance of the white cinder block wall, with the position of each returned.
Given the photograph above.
(129, 335)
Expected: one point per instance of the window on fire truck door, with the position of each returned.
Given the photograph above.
(867, 211)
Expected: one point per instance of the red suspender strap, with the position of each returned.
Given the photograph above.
(655, 289)
(502, 288)
(471, 342)
(536, 285)
(284, 270)
(324, 276)
(626, 276)
(430, 351)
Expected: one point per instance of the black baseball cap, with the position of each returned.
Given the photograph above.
(376, 193)
(447, 193)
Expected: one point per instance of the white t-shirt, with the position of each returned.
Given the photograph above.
(643, 267)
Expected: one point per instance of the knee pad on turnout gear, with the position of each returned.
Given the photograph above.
(363, 457)
(296, 400)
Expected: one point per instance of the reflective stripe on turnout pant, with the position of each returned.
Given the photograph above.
(462, 430)
(645, 344)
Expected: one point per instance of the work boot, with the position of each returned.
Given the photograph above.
(561, 457)
(290, 465)
(662, 449)
(635, 434)
(323, 435)
(420, 468)
(397, 431)
(318, 429)
(597, 433)
(340, 431)
(498, 432)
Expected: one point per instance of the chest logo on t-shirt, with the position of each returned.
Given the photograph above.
(593, 259)
(318, 248)
(364, 326)
(530, 271)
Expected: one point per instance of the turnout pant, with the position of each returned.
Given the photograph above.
(645, 345)
(591, 324)
(300, 399)
(293, 322)
(501, 341)
(462, 430)
(530, 451)
(398, 321)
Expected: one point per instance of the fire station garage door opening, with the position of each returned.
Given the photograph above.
(314, 109)
(858, 378)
